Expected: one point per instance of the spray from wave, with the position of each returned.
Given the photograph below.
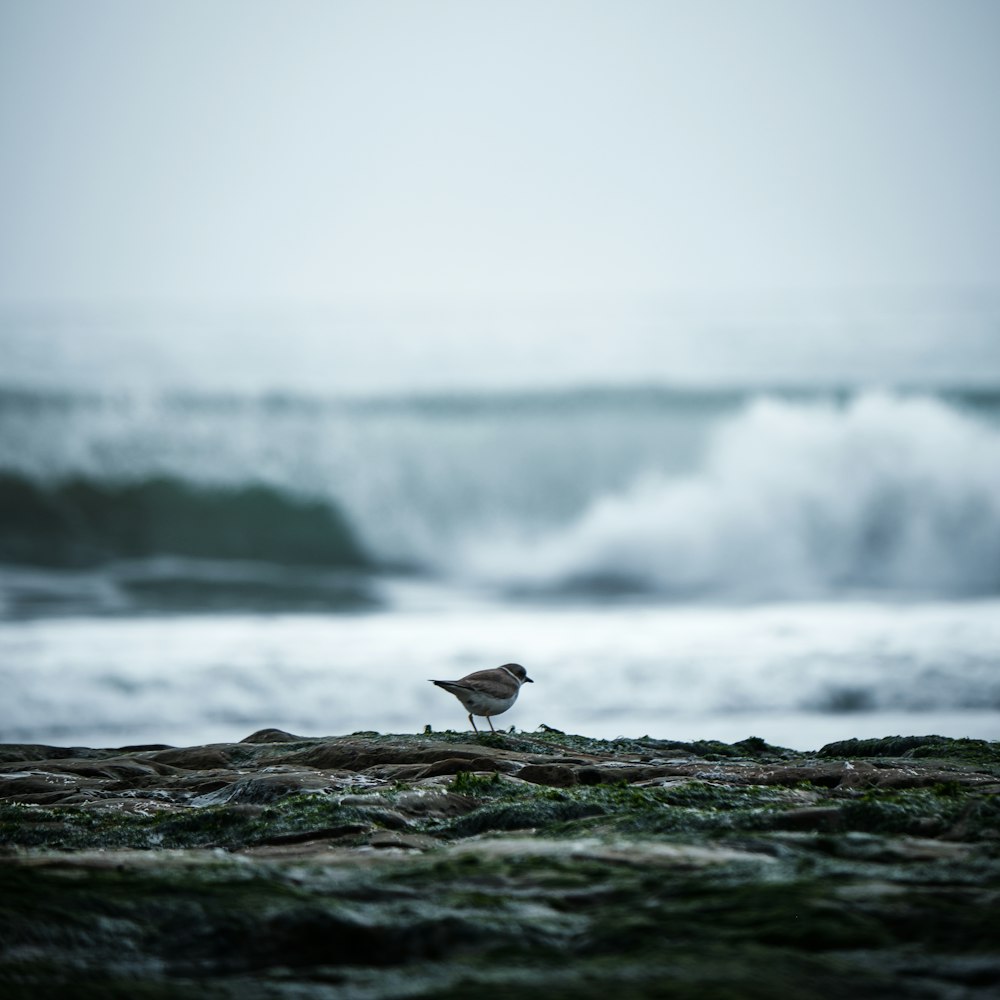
(696, 494)
(790, 499)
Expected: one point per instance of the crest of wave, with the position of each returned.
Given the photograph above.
(791, 499)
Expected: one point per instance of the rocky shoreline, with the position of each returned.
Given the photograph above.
(545, 864)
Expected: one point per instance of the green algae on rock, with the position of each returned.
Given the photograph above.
(539, 864)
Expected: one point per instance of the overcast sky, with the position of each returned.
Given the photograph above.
(378, 152)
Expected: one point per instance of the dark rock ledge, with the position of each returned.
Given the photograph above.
(446, 865)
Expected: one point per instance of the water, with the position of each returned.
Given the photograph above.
(191, 550)
(795, 673)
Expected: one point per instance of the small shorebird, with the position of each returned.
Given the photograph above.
(488, 692)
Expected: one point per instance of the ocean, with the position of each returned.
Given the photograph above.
(212, 527)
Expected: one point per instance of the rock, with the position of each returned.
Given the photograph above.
(193, 758)
(456, 765)
(272, 736)
(536, 865)
(558, 775)
(425, 803)
(820, 819)
(402, 841)
(265, 788)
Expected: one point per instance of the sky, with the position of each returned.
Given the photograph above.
(441, 152)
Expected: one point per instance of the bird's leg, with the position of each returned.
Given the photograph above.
(473, 721)
(490, 721)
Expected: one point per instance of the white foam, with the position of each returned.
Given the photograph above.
(679, 673)
(790, 499)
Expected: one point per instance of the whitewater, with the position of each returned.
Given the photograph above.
(738, 495)
(798, 560)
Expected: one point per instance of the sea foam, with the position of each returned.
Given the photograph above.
(790, 499)
(694, 493)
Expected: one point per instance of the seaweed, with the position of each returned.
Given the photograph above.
(645, 867)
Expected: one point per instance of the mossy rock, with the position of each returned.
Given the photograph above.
(965, 751)
(291, 867)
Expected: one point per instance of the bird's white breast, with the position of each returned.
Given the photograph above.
(483, 704)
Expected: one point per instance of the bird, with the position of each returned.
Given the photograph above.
(488, 692)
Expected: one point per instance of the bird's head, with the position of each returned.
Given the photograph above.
(519, 672)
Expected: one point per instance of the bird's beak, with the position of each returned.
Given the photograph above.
(528, 680)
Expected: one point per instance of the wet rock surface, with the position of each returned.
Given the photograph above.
(546, 864)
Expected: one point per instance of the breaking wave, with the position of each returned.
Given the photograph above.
(685, 494)
(790, 499)
(80, 521)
